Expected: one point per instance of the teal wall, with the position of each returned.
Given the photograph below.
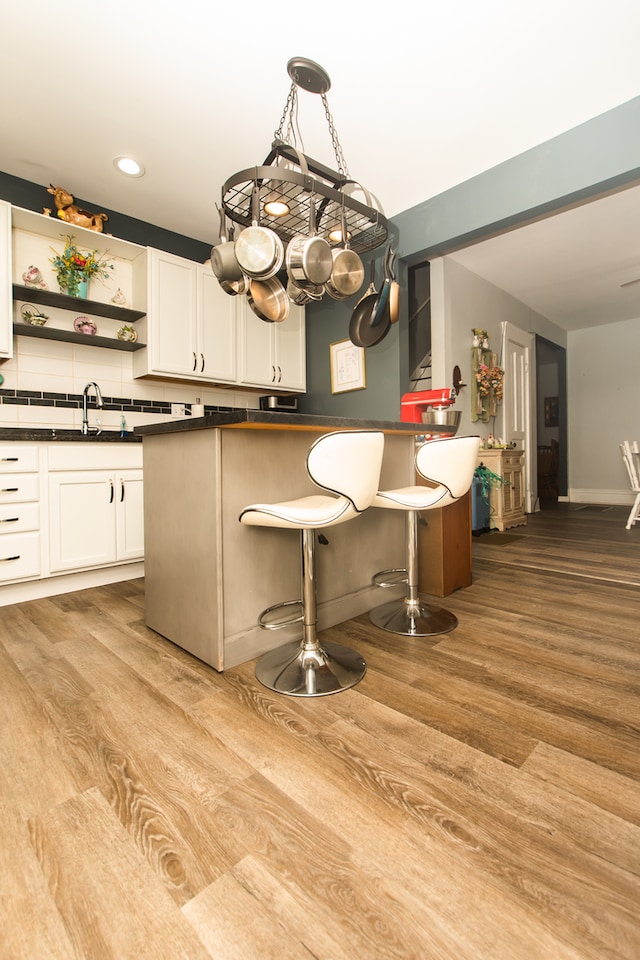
(599, 156)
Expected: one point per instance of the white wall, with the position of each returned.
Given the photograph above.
(460, 301)
(603, 385)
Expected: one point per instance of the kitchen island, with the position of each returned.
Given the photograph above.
(208, 577)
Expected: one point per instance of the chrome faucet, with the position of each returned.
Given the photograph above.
(85, 413)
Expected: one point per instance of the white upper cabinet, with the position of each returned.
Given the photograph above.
(271, 354)
(6, 339)
(189, 326)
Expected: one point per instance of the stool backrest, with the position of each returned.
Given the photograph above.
(450, 462)
(348, 463)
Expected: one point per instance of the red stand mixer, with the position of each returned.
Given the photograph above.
(433, 408)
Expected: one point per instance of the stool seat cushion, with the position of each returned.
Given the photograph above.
(412, 498)
(303, 513)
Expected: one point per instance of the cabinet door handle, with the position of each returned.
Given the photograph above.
(279, 374)
(195, 363)
(112, 491)
(5, 559)
(10, 459)
(273, 374)
(121, 489)
(10, 520)
(10, 489)
(202, 363)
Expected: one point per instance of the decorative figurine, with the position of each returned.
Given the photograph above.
(33, 278)
(68, 211)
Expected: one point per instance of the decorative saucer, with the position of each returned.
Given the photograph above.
(84, 325)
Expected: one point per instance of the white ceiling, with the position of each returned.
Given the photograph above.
(423, 97)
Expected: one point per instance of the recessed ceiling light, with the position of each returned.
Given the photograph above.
(129, 166)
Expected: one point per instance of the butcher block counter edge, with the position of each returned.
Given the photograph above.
(263, 419)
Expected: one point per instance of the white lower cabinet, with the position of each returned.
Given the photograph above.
(272, 354)
(95, 518)
(20, 539)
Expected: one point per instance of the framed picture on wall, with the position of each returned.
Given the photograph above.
(551, 411)
(347, 367)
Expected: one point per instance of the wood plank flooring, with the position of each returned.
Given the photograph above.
(475, 797)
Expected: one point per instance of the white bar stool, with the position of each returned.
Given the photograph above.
(449, 464)
(346, 463)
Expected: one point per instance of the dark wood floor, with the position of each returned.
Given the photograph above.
(475, 796)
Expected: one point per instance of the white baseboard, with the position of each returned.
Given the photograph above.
(66, 583)
(620, 498)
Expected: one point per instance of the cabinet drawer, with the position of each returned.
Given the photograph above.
(19, 517)
(18, 487)
(19, 556)
(18, 458)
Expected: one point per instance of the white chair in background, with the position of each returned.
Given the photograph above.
(631, 457)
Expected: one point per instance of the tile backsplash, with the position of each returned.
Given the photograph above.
(44, 382)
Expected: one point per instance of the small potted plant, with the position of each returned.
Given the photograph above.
(74, 269)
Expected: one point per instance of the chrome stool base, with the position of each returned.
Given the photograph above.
(301, 671)
(413, 619)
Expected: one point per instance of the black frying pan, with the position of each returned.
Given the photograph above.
(368, 326)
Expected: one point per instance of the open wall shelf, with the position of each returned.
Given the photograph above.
(69, 336)
(50, 298)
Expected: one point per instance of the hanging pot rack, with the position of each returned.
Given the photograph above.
(294, 177)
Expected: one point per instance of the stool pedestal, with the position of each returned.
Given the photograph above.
(411, 616)
(305, 668)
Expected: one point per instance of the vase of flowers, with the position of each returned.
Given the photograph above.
(75, 269)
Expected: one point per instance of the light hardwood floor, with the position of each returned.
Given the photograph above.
(475, 796)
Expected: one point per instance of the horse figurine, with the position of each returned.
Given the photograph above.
(69, 212)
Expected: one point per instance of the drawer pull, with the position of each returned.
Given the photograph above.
(5, 559)
(10, 489)
(10, 459)
(10, 520)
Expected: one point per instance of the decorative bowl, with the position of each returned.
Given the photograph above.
(33, 316)
(84, 325)
(127, 334)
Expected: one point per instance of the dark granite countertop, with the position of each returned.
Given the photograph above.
(266, 419)
(51, 434)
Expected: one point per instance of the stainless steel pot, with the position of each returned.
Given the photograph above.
(224, 263)
(301, 297)
(268, 299)
(309, 261)
(347, 274)
(259, 250)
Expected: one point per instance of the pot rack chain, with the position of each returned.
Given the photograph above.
(291, 132)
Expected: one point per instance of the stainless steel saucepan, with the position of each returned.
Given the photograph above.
(259, 250)
(225, 265)
(309, 261)
(268, 299)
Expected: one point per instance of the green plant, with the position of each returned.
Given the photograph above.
(72, 266)
(487, 480)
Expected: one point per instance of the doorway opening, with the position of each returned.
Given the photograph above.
(551, 418)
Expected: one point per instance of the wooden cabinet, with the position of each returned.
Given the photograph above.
(20, 539)
(272, 355)
(6, 340)
(444, 548)
(506, 500)
(190, 330)
(95, 510)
